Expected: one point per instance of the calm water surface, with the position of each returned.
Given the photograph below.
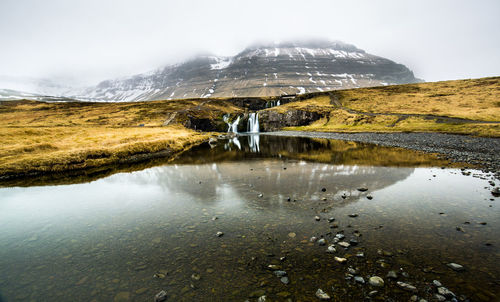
(128, 236)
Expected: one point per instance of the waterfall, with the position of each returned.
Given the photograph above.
(253, 123)
(270, 104)
(232, 127)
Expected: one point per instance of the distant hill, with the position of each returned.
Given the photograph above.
(260, 70)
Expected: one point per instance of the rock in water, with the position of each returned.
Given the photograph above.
(392, 275)
(161, 296)
(219, 234)
(340, 236)
(340, 259)
(496, 192)
(443, 291)
(280, 273)
(407, 287)
(322, 241)
(344, 244)
(376, 281)
(455, 267)
(439, 298)
(322, 295)
(331, 249)
(362, 189)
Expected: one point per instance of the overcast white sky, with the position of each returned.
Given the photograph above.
(92, 40)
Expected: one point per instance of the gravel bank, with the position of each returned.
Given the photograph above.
(481, 151)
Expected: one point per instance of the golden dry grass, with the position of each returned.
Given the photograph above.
(477, 99)
(320, 104)
(58, 149)
(37, 138)
(154, 113)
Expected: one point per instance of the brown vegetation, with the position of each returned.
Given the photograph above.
(38, 138)
(462, 107)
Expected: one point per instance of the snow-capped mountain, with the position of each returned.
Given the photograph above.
(260, 70)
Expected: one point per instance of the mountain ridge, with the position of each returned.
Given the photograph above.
(261, 69)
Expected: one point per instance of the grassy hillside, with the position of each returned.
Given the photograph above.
(462, 106)
(39, 138)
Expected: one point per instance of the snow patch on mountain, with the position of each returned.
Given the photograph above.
(221, 63)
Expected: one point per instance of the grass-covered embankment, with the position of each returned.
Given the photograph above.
(460, 107)
(39, 138)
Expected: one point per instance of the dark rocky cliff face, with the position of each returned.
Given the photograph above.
(271, 120)
(263, 70)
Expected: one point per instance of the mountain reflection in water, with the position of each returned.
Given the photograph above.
(128, 236)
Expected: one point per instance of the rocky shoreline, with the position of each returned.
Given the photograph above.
(481, 152)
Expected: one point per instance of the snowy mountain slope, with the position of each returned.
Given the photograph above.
(260, 70)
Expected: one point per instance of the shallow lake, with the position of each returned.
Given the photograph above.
(128, 236)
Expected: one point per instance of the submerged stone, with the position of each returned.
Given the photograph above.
(376, 281)
(161, 296)
(443, 291)
(284, 280)
(344, 244)
(331, 249)
(392, 275)
(280, 273)
(340, 259)
(322, 295)
(407, 287)
(455, 267)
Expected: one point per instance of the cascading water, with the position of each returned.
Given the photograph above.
(253, 123)
(271, 104)
(232, 127)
